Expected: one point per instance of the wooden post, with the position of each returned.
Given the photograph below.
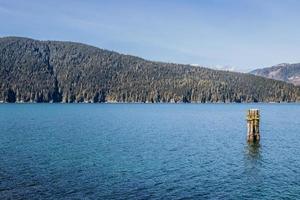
(253, 125)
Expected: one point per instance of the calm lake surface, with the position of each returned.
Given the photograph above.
(141, 151)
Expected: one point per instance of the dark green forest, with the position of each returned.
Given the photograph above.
(51, 71)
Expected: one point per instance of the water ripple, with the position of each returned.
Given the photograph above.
(147, 152)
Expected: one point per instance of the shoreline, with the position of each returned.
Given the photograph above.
(149, 103)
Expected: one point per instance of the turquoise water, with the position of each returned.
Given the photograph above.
(141, 151)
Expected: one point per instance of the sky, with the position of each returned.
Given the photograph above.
(230, 34)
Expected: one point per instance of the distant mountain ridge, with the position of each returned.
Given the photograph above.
(285, 72)
(53, 71)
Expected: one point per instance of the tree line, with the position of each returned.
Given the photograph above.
(50, 71)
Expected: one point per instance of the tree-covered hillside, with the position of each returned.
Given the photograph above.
(50, 71)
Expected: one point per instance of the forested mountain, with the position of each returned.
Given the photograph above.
(51, 71)
(284, 72)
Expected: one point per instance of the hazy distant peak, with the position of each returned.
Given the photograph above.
(282, 65)
(284, 72)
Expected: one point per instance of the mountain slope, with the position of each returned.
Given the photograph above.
(285, 72)
(51, 71)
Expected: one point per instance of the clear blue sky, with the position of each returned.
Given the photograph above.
(237, 33)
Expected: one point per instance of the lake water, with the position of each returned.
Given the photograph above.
(141, 151)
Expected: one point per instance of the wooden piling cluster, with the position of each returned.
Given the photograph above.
(253, 134)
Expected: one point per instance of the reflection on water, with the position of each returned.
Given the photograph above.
(253, 161)
(253, 174)
(253, 151)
